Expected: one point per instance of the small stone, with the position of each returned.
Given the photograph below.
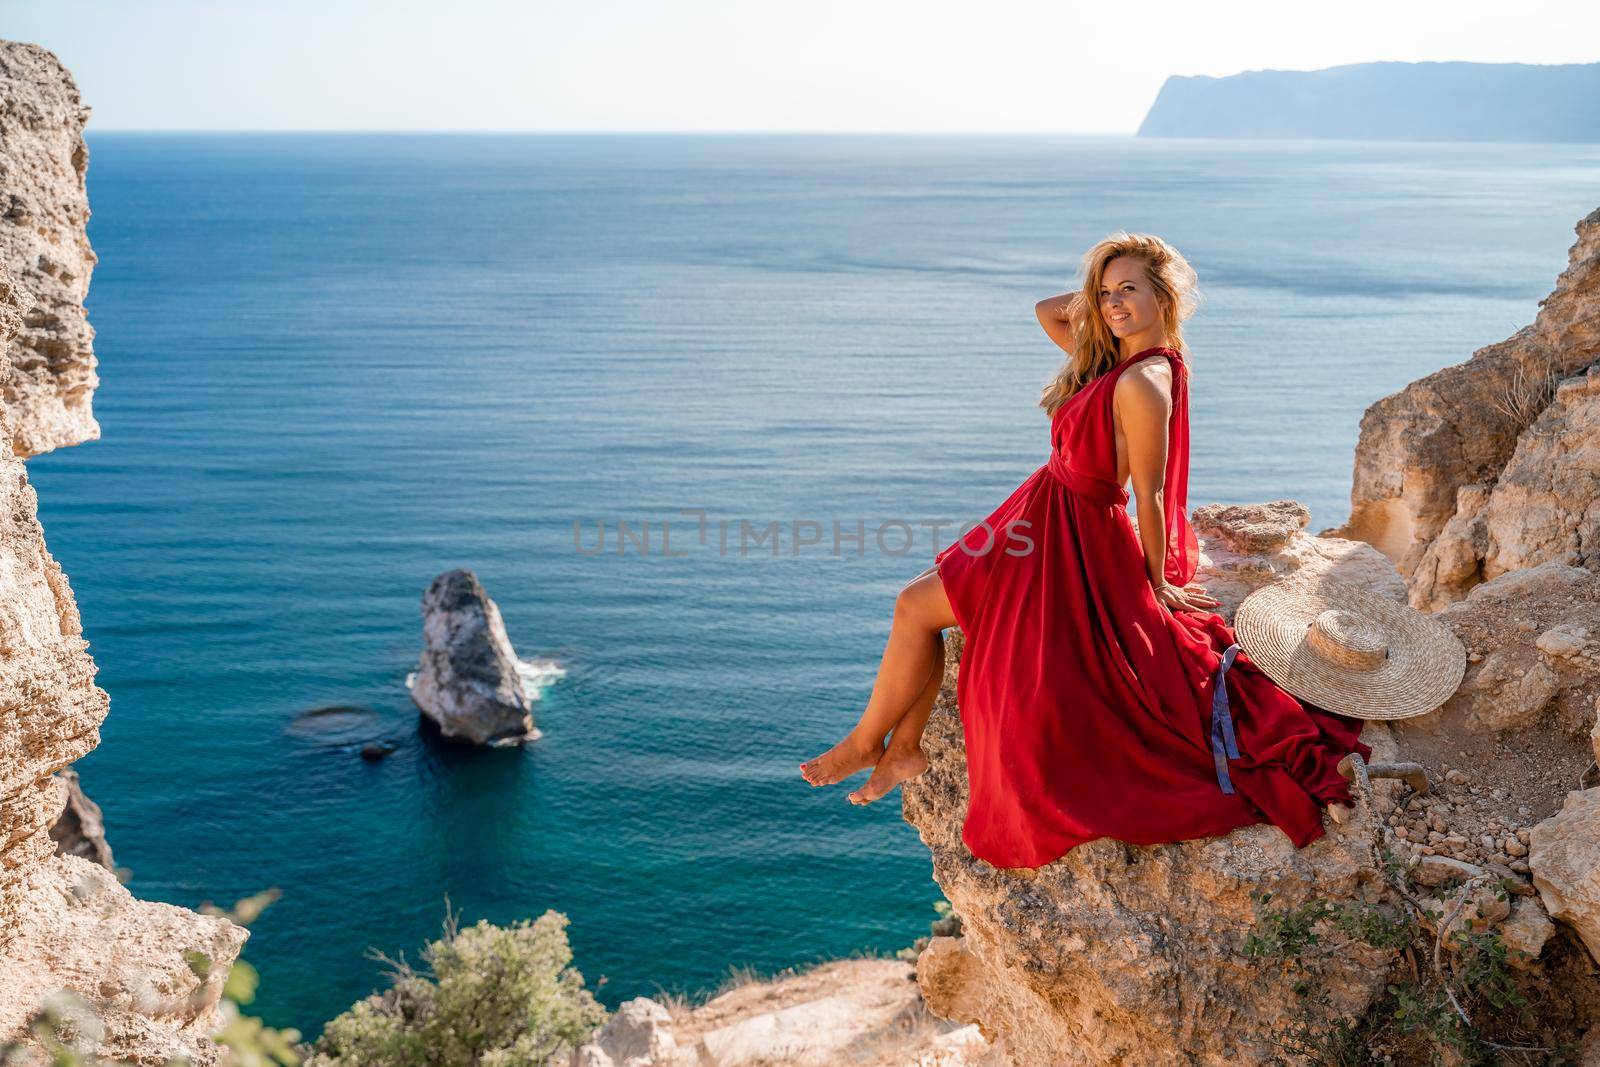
(1524, 835)
(1520, 866)
(1490, 906)
(1515, 847)
(1568, 639)
(1526, 931)
(1455, 777)
(1488, 843)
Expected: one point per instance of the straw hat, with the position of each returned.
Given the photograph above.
(1342, 648)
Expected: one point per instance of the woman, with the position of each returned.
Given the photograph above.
(1088, 682)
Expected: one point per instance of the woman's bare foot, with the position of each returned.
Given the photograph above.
(894, 768)
(841, 761)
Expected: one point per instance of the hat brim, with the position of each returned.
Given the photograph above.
(1424, 666)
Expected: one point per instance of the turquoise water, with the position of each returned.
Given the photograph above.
(336, 365)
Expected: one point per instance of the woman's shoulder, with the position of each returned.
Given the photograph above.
(1156, 368)
(1147, 381)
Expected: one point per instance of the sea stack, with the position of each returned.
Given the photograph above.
(467, 682)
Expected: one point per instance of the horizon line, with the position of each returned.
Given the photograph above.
(601, 132)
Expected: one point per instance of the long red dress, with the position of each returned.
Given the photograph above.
(1089, 708)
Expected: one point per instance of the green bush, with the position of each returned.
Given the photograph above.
(496, 997)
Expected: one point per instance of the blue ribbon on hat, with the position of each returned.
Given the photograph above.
(1222, 742)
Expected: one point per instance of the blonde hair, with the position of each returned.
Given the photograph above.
(1095, 350)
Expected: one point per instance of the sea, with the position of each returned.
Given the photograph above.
(693, 408)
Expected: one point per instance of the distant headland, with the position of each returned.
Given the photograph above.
(1387, 101)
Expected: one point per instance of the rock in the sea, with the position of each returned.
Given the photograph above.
(1490, 465)
(44, 214)
(467, 682)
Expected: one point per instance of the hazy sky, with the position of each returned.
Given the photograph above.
(730, 64)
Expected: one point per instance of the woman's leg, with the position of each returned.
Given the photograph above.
(921, 610)
(903, 758)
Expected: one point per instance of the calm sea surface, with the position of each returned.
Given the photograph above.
(335, 365)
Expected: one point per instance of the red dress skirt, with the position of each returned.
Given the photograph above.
(1089, 708)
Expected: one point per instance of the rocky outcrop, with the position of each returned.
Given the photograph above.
(1544, 505)
(44, 215)
(66, 922)
(53, 709)
(1490, 466)
(79, 929)
(467, 682)
(1247, 546)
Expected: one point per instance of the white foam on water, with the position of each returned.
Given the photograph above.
(536, 675)
(539, 675)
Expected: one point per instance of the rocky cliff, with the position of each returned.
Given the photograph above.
(1234, 949)
(65, 921)
(44, 213)
(1492, 465)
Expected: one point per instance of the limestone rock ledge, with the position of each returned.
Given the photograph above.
(44, 216)
(862, 1012)
(78, 928)
(1246, 546)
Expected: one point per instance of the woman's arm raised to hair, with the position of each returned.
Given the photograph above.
(1055, 315)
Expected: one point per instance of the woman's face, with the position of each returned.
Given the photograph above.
(1127, 301)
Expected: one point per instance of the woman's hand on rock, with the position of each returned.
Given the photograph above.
(1191, 597)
